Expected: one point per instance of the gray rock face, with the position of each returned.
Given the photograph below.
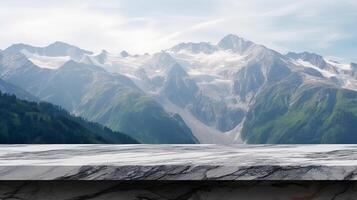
(265, 67)
(248, 81)
(354, 66)
(179, 87)
(216, 113)
(354, 69)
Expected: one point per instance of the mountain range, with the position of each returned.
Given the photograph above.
(231, 92)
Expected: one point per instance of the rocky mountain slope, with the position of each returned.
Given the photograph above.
(8, 88)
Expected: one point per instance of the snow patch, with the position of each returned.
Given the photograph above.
(209, 64)
(338, 65)
(302, 63)
(204, 133)
(46, 61)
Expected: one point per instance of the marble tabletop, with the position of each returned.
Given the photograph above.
(178, 162)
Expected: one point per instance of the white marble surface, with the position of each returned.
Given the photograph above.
(178, 162)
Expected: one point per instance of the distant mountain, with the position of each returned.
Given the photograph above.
(57, 49)
(232, 91)
(97, 95)
(23, 122)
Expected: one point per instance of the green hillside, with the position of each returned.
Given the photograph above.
(23, 122)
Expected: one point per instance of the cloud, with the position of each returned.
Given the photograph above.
(326, 27)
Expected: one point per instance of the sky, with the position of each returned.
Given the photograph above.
(326, 27)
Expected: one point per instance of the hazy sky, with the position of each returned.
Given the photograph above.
(327, 27)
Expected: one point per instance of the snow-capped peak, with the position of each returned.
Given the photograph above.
(52, 56)
(235, 43)
(64, 49)
(60, 45)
